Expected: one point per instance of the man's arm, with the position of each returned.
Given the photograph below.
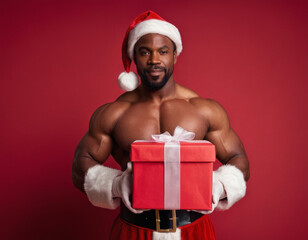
(229, 181)
(93, 149)
(229, 148)
(89, 175)
(104, 186)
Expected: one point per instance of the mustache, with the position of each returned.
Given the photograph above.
(155, 68)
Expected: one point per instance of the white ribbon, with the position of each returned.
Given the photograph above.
(179, 134)
(172, 164)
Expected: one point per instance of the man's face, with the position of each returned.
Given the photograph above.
(154, 58)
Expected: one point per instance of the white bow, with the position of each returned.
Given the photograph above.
(180, 134)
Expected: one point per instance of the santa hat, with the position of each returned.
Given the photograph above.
(148, 22)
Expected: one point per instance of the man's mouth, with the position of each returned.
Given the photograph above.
(155, 71)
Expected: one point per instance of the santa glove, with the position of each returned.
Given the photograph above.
(229, 187)
(122, 185)
(100, 181)
(98, 186)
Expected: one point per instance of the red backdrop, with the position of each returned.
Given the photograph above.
(60, 61)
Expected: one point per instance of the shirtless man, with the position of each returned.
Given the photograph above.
(157, 105)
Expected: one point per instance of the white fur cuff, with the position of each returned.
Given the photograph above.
(98, 186)
(234, 185)
(153, 26)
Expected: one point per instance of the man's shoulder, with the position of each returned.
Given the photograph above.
(199, 102)
(205, 102)
(185, 92)
(120, 105)
(212, 111)
(106, 116)
(208, 107)
(128, 97)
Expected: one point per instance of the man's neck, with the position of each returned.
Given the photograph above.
(167, 92)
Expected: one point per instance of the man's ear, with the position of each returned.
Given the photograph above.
(175, 57)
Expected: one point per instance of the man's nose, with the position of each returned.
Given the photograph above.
(154, 58)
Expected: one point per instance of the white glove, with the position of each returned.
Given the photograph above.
(228, 187)
(218, 193)
(105, 186)
(98, 186)
(122, 187)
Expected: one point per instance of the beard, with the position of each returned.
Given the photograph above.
(153, 85)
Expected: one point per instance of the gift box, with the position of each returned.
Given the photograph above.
(172, 175)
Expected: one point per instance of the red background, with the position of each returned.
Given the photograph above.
(60, 61)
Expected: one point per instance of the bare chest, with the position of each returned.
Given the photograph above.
(142, 120)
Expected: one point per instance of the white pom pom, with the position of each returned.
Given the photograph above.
(128, 81)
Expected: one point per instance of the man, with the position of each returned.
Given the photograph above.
(157, 105)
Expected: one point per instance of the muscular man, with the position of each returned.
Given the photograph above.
(157, 105)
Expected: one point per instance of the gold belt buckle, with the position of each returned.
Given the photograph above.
(173, 229)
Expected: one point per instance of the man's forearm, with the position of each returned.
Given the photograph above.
(78, 179)
(241, 162)
(81, 164)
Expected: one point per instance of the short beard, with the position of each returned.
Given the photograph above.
(155, 86)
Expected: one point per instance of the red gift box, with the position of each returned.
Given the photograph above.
(156, 186)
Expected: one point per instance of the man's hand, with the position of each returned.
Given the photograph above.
(228, 187)
(105, 186)
(122, 187)
(218, 193)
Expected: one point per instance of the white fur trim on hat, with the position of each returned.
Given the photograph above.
(234, 185)
(153, 26)
(98, 186)
(128, 81)
(167, 236)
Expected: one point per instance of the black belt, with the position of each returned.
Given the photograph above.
(160, 220)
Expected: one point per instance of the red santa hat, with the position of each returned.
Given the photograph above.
(147, 22)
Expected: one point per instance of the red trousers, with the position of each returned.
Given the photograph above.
(201, 229)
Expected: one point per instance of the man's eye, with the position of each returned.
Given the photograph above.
(143, 53)
(163, 52)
